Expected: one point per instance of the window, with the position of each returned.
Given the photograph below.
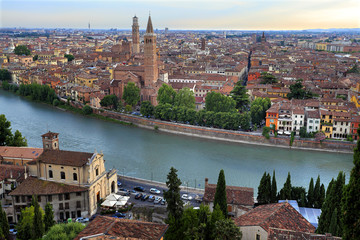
(39, 198)
(50, 198)
(67, 196)
(316, 121)
(67, 205)
(78, 194)
(310, 121)
(78, 204)
(50, 174)
(61, 215)
(61, 206)
(67, 215)
(257, 236)
(75, 176)
(60, 197)
(17, 199)
(310, 127)
(62, 174)
(23, 199)
(97, 171)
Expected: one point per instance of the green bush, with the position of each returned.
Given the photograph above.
(56, 102)
(87, 110)
(265, 132)
(128, 108)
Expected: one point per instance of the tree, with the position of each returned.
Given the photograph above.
(25, 226)
(310, 195)
(285, 192)
(239, 94)
(320, 136)
(317, 193)
(350, 200)
(49, 217)
(218, 102)
(69, 57)
(64, 231)
(267, 78)
(297, 91)
(225, 229)
(36, 57)
(258, 109)
(110, 101)
(299, 194)
(4, 224)
(166, 94)
(5, 75)
(87, 110)
(190, 224)
(147, 109)
(185, 98)
(265, 132)
(22, 50)
(5, 131)
(18, 140)
(131, 94)
(172, 195)
(333, 227)
(273, 189)
(264, 189)
(220, 193)
(38, 223)
(216, 215)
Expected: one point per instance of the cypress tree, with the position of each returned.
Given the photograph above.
(268, 188)
(4, 224)
(220, 194)
(333, 228)
(49, 217)
(285, 193)
(350, 200)
(317, 194)
(38, 223)
(261, 198)
(172, 196)
(273, 188)
(310, 195)
(322, 196)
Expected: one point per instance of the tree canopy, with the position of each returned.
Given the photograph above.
(131, 94)
(5, 75)
(297, 91)
(239, 94)
(64, 231)
(218, 102)
(22, 50)
(110, 101)
(147, 109)
(185, 98)
(220, 193)
(166, 94)
(258, 109)
(69, 57)
(6, 136)
(267, 78)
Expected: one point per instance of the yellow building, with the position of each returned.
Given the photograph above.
(73, 182)
(321, 46)
(327, 122)
(85, 79)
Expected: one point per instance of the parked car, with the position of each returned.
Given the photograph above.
(163, 202)
(81, 220)
(198, 199)
(144, 197)
(186, 197)
(139, 189)
(151, 198)
(119, 215)
(119, 183)
(138, 196)
(157, 200)
(154, 190)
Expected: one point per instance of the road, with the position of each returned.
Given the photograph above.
(128, 184)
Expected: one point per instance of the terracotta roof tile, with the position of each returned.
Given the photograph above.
(20, 152)
(276, 215)
(68, 158)
(11, 171)
(116, 228)
(35, 186)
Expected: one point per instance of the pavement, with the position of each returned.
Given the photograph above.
(128, 184)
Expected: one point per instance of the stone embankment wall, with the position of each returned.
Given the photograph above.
(231, 136)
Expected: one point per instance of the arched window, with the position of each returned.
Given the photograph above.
(62, 175)
(50, 174)
(75, 176)
(112, 187)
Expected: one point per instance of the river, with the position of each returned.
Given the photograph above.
(148, 154)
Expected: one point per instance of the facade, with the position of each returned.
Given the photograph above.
(73, 182)
(298, 120)
(312, 121)
(135, 36)
(239, 199)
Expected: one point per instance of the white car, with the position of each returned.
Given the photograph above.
(186, 197)
(157, 200)
(82, 220)
(154, 190)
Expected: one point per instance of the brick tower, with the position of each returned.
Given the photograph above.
(150, 61)
(135, 36)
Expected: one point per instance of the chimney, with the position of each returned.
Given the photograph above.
(25, 173)
(11, 175)
(206, 182)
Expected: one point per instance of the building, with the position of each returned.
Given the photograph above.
(258, 223)
(312, 121)
(103, 227)
(239, 199)
(18, 155)
(135, 36)
(73, 182)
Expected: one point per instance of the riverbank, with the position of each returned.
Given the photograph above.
(231, 136)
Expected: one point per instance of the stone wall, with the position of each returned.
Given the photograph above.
(231, 136)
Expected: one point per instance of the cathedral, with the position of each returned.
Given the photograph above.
(146, 75)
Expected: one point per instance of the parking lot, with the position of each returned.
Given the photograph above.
(128, 184)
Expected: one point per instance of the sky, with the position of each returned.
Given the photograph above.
(185, 14)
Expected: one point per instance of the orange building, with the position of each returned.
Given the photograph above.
(272, 115)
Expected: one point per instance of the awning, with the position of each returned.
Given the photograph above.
(108, 203)
(122, 201)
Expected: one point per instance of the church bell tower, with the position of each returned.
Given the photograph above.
(150, 61)
(135, 36)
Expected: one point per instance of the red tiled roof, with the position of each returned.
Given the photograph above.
(276, 215)
(11, 171)
(35, 186)
(68, 158)
(20, 152)
(234, 195)
(124, 229)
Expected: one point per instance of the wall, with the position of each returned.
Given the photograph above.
(232, 136)
(250, 232)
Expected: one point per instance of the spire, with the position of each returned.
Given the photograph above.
(149, 28)
(263, 36)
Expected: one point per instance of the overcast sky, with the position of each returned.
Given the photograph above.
(186, 14)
